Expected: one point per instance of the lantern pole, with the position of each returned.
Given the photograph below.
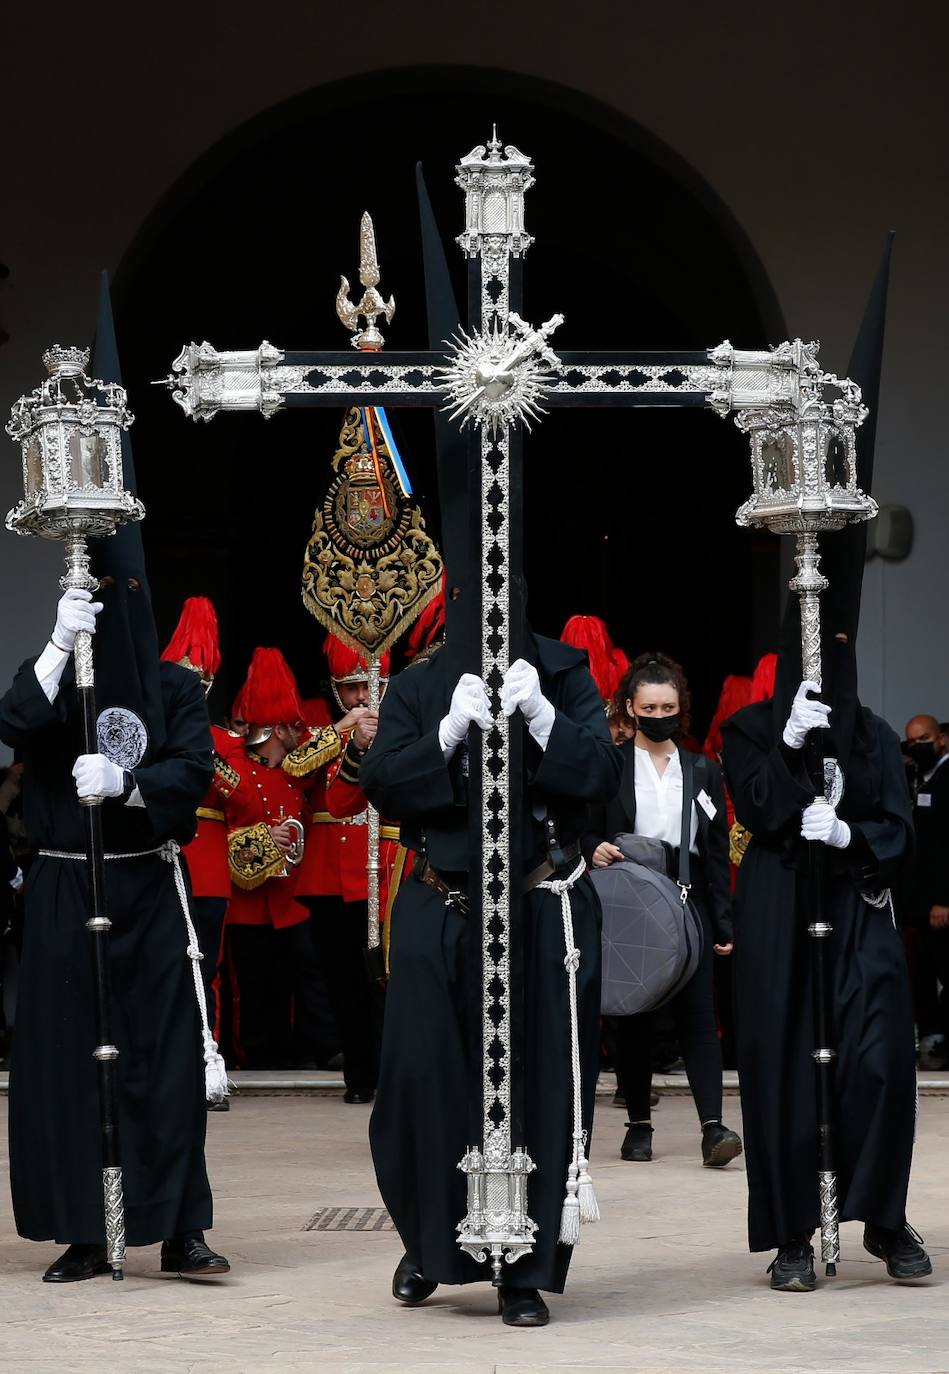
(70, 433)
(803, 462)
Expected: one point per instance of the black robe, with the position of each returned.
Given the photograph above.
(55, 1157)
(875, 1067)
(427, 1110)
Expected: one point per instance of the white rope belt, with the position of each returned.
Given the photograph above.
(215, 1072)
(879, 900)
(580, 1202)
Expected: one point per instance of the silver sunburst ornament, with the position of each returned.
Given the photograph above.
(498, 377)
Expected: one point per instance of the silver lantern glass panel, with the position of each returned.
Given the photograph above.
(70, 434)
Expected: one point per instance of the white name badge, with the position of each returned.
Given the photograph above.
(924, 799)
(707, 805)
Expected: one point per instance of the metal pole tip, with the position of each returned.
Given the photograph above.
(117, 1275)
(831, 1270)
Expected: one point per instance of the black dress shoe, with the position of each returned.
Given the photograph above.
(792, 1269)
(78, 1262)
(408, 1285)
(902, 1250)
(356, 1097)
(719, 1145)
(223, 1106)
(522, 1307)
(190, 1258)
(638, 1143)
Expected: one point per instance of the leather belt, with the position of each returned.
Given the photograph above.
(456, 898)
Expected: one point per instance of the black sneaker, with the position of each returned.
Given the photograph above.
(902, 1250)
(792, 1269)
(638, 1143)
(719, 1145)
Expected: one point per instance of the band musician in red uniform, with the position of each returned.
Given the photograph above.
(269, 933)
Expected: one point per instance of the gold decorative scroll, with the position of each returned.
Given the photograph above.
(370, 567)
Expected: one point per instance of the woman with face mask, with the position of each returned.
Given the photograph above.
(654, 697)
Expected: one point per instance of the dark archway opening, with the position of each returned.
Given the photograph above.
(628, 515)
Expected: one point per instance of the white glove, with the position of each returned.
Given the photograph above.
(469, 706)
(17, 882)
(819, 822)
(97, 776)
(76, 611)
(521, 690)
(805, 715)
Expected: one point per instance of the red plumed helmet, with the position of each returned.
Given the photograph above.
(607, 663)
(270, 695)
(346, 665)
(762, 680)
(430, 624)
(195, 642)
(735, 693)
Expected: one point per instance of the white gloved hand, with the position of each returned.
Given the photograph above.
(17, 882)
(819, 822)
(97, 776)
(805, 715)
(521, 690)
(469, 706)
(76, 611)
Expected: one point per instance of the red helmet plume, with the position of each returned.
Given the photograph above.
(607, 662)
(346, 665)
(735, 693)
(430, 624)
(762, 681)
(270, 695)
(195, 642)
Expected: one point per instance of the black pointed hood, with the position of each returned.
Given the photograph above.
(452, 447)
(126, 645)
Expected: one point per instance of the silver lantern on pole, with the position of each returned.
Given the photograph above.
(804, 472)
(70, 434)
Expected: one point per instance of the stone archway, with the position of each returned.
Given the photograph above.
(629, 516)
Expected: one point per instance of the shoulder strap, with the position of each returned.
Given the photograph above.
(685, 836)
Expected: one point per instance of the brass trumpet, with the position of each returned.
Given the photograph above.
(294, 855)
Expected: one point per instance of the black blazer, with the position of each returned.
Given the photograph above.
(605, 822)
(929, 879)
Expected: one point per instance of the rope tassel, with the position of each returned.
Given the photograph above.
(579, 1204)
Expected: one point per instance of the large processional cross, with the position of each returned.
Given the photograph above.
(494, 378)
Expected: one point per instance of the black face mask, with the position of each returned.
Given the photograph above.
(923, 754)
(658, 728)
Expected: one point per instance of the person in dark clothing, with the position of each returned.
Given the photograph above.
(867, 833)
(655, 698)
(926, 897)
(416, 774)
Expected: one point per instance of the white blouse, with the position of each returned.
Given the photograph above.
(659, 800)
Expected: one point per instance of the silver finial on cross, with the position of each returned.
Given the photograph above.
(372, 305)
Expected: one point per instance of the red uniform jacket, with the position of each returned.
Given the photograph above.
(206, 855)
(264, 884)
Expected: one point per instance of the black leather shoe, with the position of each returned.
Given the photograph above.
(190, 1258)
(902, 1250)
(408, 1285)
(78, 1262)
(638, 1143)
(792, 1269)
(522, 1307)
(719, 1145)
(356, 1098)
(223, 1106)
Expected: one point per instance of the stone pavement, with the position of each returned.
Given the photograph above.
(663, 1285)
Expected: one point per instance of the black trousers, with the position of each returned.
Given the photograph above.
(339, 935)
(934, 965)
(209, 913)
(693, 1011)
(284, 1013)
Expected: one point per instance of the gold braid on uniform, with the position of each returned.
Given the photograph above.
(253, 856)
(738, 841)
(349, 767)
(320, 749)
(226, 779)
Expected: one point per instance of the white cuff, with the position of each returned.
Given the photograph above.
(49, 669)
(446, 744)
(791, 738)
(541, 727)
(135, 798)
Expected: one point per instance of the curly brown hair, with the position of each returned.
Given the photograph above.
(658, 669)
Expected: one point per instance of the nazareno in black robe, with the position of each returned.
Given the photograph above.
(872, 1012)
(55, 1159)
(427, 1110)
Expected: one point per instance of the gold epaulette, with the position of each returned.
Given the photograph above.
(738, 841)
(253, 856)
(226, 779)
(322, 747)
